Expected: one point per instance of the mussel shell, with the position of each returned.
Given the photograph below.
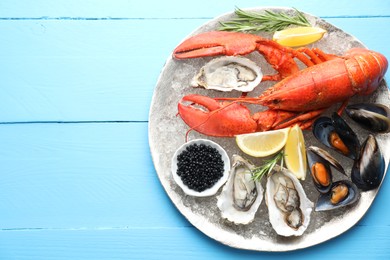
(323, 203)
(329, 158)
(316, 154)
(323, 127)
(346, 134)
(313, 158)
(373, 117)
(369, 169)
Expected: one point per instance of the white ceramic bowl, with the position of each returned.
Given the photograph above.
(212, 190)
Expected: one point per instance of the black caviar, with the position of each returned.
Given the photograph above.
(200, 166)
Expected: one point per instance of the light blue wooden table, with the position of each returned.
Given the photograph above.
(77, 179)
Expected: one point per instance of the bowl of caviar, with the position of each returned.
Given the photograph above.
(200, 167)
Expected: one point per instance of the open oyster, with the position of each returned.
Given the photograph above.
(241, 195)
(229, 73)
(289, 208)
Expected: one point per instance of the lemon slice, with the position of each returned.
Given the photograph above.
(295, 153)
(262, 144)
(298, 36)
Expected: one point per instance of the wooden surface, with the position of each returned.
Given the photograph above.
(76, 82)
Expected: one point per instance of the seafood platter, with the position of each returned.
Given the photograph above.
(327, 98)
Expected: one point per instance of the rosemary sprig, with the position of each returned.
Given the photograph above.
(267, 167)
(269, 21)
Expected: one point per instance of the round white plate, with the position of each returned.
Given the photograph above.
(167, 133)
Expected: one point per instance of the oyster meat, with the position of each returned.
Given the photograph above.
(241, 196)
(288, 206)
(229, 73)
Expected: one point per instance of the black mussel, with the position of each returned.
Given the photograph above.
(369, 169)
(373, 117)
(347, 135)
(341, 194)
(320, 172)
(322, 127)
(329, 158)
(336, 134)
(319, 162)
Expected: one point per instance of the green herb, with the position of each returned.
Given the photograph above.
(267, 167)
(268, 22)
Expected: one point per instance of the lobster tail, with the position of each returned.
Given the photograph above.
(366, 69)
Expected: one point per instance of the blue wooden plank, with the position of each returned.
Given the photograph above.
(80, 176)
(80, 70)
(65, 176)
(173, 243)
(89, 191)
(374, 216)
(176, 9)
(103, 70)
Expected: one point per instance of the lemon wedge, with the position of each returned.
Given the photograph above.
(262, 144)
(295, 153)
(298, 36)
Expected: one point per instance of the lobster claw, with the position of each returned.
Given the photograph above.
(233, 43)
(215, 118)
(216, 43)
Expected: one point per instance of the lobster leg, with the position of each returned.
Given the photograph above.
(307, 124)
(269, 119)
(313, 55)
(287, 119)
(324, 56)
(342, 107)
(304, 120)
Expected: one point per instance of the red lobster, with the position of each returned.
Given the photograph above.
(299, 98)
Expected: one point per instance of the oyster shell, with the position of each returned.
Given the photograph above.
(229, 73)
(288, 206)
(241, 196)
